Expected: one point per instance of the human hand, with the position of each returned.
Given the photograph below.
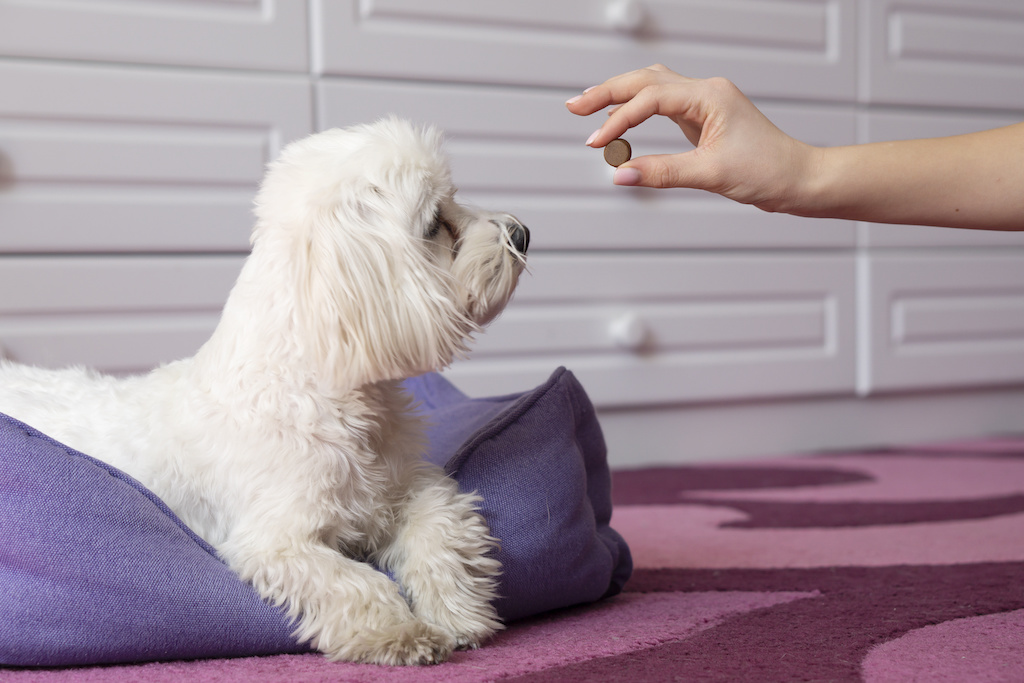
(738, 152)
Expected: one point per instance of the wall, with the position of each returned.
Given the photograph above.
(133, 135)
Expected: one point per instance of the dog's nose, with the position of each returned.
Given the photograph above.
(519, 235)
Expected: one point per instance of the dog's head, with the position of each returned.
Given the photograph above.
(388, 275)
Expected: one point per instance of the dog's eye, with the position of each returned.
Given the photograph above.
(437, 225)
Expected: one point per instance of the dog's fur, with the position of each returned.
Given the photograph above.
(287, 442)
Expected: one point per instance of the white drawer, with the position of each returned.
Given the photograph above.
(252, 34)
(769, 47)
(118, 314)
(643, 329)
(960, 53)
(942, 321)
(519, 150)
(113, 159)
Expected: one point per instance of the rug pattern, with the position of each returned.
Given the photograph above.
(895, 565)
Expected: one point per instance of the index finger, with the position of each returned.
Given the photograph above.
(620, 89)
(679, 101)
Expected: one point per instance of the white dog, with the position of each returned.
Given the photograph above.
(287, 441)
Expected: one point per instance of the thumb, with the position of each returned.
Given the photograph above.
(662, 170)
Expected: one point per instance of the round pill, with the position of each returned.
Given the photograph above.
(617, 152)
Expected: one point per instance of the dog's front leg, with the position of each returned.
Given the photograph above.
(440, 553)
(345, 608)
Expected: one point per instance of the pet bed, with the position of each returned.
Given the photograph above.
(96, 569)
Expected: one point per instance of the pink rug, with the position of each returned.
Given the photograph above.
(901, 565)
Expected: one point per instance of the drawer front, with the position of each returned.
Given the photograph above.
(942, 321)
(644, 329)
(808, 46)
(117, 314)
(519, 150)
(960, 53)
(664, 329)
(251, 34)
(111, 159)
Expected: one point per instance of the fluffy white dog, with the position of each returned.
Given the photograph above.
(287, 441)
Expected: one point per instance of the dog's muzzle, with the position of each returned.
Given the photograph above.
(518, 234)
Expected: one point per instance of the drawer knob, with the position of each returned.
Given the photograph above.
(624, 15)
(629, 332)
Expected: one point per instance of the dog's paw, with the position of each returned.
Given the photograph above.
(407, 643)
(471, 631)
(471, 623)
(468, 613)
(470, 641)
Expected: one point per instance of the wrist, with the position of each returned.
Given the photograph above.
(812, 187)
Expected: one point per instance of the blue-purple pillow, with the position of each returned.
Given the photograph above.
(96, 569)
(540, 463)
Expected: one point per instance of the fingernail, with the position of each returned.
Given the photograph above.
(573, 100)
(626, 176)
(592, 136)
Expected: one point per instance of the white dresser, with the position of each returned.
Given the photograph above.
(133, 134)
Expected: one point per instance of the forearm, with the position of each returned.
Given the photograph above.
(966, 181)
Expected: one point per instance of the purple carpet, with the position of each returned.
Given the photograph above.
(899, 565)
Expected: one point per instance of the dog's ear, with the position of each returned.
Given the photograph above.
(372, 304)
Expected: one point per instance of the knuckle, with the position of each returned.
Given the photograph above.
(720, 86)
(659, 175)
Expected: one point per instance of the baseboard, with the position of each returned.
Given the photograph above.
(702, 433)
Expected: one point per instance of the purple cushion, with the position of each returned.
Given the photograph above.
(96, 569)
(540, 463)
